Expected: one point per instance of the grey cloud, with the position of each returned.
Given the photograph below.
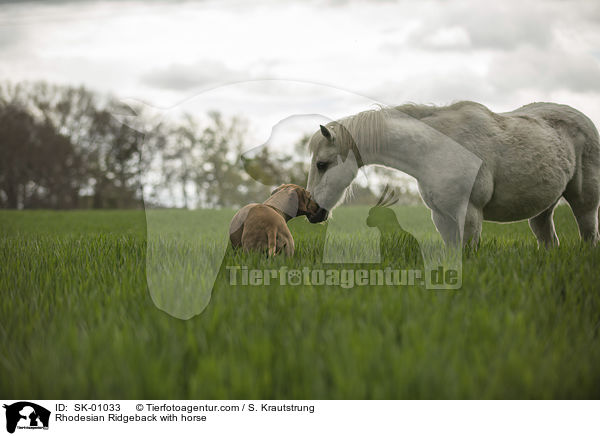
(511, 75)
(483, 25)
(66, 2)
(545, 70)
(10, 37)
(434, 88)
(507, 28)
(587, 10)
(184, 77)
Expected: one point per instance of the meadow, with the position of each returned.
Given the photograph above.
(77, 319)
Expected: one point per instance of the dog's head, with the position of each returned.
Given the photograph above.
(294, 193)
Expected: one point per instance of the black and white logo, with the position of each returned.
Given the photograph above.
(26, 415)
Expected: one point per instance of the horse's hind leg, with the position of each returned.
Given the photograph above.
(542, 226)
(584, 198)
(586, 214)
(588, 226)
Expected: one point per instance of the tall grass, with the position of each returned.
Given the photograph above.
(77, 319)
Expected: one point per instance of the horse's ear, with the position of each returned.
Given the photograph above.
(326, 132)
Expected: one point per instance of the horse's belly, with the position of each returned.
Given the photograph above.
(511, 210)
(529, 176)
(525, 196)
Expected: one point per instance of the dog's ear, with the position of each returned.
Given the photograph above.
(279, 188)
(302, 195)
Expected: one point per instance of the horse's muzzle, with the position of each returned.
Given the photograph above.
(319, 216)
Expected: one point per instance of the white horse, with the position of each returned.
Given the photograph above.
(471, 164)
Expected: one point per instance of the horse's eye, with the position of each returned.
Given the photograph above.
(322, 166)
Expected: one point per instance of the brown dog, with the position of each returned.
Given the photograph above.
(263, 227)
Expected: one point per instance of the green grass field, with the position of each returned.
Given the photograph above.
(77, 319)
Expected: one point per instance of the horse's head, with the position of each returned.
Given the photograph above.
(334, 165)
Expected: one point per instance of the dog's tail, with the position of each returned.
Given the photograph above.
(272, 241)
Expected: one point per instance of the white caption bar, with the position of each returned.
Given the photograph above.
(300, 417)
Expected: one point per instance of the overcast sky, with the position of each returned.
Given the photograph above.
(502, 55)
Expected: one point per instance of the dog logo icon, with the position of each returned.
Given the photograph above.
(26, 415)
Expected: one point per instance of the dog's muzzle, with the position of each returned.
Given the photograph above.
(319, 216)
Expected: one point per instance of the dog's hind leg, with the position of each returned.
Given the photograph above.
(271, 242)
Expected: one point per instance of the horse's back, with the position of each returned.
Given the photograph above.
(538, 128)
(531, 120)
(573, 124)
(529, 155)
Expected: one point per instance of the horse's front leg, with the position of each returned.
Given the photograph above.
(473, 225)
(448, 227)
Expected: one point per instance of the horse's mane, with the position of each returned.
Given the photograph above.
(364, 128)
(367, 128)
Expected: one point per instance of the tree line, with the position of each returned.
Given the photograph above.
(62, 147)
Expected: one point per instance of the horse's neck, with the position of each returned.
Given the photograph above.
(414, 148)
